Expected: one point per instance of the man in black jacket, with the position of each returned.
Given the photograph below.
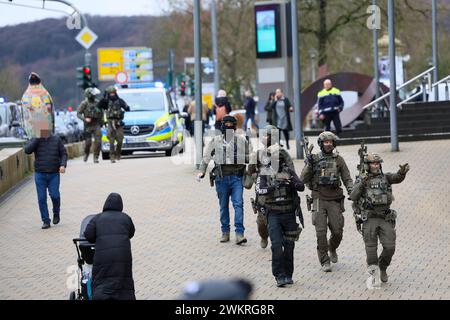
(50, 160)
(111, 232)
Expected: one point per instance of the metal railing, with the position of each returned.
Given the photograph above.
(423, 74)
(421, 92)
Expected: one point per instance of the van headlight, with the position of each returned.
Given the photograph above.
(162, 126)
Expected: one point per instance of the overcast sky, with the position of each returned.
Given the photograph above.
(11, 15)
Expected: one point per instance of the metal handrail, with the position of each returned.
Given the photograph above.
(400, 87)
(440, 81)
(447, 78)
(410, 98)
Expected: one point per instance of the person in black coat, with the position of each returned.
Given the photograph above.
(111, 232)
(50, 159)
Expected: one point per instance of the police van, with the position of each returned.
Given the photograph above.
(153, 122)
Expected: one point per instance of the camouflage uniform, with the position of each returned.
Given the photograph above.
(115, 112)
(323, 175)
(372, 195)
(89, 109)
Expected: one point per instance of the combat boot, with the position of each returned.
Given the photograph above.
(333, 256)
(289, 280)
(225, 237)
(383, 275)
(281, 282)
(240, 239)
(373, 281)
(264, 243)
(326, 267)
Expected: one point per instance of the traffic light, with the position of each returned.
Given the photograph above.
(192, 87)
(183, 88)
(84, 76)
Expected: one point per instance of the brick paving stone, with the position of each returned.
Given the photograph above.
(178, 231)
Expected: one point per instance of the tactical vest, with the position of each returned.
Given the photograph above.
(114, 110)
(378, 194)
(231, 163)
(282, 198)
(92, 111)
(326, 172)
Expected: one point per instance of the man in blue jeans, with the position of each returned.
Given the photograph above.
(50, 160)
(230, 154)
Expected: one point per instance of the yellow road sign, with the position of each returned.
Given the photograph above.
(86, 37)
(136, 61)
(110, 61)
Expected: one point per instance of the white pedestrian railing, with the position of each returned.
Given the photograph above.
(423, 74)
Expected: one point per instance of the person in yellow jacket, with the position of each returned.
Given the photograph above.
(330, 105)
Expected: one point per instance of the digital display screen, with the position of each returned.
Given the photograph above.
(267, 31)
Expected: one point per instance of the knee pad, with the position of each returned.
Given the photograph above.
(389, 249)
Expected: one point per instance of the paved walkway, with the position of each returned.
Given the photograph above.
(177, 233)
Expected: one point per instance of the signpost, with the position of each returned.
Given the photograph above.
(136, 62)
(86, 37)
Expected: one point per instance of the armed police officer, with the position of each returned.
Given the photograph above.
(115, 112)
(270, 141)
(322, 175)
(277, 199)
(373, 196)
(230, 153)
(92, 116)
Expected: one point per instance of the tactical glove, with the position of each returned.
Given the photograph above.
(403, 169)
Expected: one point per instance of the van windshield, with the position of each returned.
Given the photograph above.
(143, 101)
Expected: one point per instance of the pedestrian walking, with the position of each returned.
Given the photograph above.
(50, 160)
(111, 232)
(268, 107)
(281, 107)
(250, 106)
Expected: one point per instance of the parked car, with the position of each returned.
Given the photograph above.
(66, 127)
(10, 116)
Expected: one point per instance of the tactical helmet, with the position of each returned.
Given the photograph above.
(326, 136)
(88, 93)
(373, 157)
(111, 89)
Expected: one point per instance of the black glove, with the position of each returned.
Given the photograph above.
(403, 169)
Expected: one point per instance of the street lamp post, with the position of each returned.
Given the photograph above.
(198, 132)
(215, 46)
(297, 86)
(435, 50)
(393, 80)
